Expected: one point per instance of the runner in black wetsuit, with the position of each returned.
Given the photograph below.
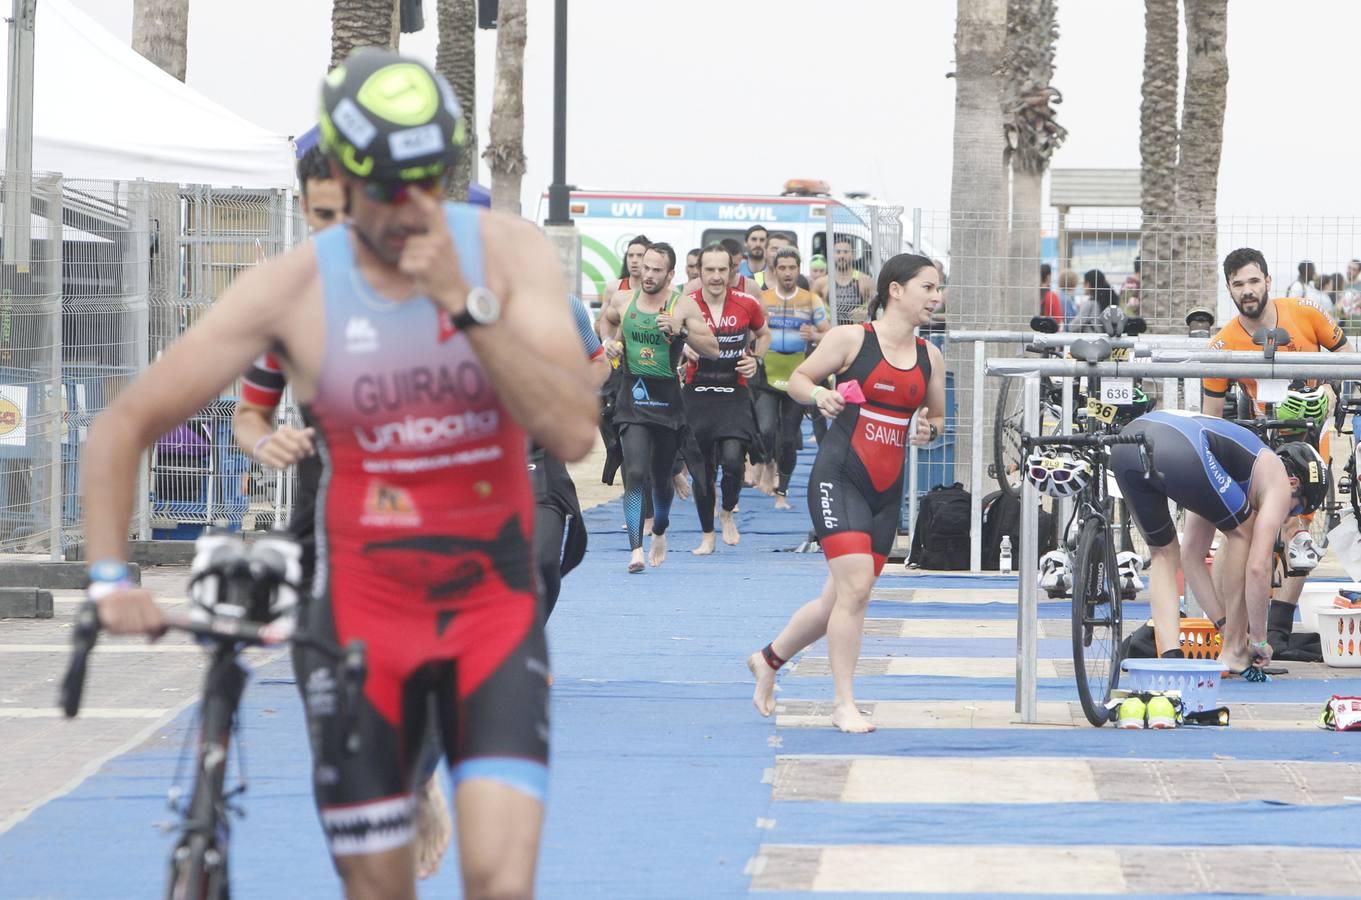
(652, 325)
(718, 402)
(855, 489)
(1225, 478)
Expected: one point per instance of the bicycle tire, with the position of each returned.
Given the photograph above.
(1096, 621)
(194, 876)
(1007, 427)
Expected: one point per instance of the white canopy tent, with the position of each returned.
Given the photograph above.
(101, 111)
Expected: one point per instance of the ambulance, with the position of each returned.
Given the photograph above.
(608, 220)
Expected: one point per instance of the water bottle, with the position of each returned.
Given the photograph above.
(1006, 554)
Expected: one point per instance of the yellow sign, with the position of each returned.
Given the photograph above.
(1121, 354)
(11, 417)
(1105, 412)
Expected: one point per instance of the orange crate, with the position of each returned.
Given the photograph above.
(1200, 639)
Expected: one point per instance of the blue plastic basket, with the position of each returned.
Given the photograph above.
(1197, 679)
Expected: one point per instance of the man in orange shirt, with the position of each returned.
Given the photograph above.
(1311, 329)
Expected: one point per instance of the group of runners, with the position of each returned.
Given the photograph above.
(445, 378)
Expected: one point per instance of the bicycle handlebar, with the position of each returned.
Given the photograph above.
(1081, 440)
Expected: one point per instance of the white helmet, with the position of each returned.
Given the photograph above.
(1057, 474)
(1128, 564)
(1056, 573)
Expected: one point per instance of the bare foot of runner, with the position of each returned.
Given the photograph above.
(849, 720)
(766, 483)
(681, 484)
(764, 696)
(730, 534)
(782, 502)
(636, 563)
(433, 828)
(706, 545)
(657, 554)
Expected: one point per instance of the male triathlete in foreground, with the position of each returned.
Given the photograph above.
(423, 341)
(1225, 478)
(1311, 328)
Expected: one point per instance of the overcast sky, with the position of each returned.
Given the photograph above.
(853, 92)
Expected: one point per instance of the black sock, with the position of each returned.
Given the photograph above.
(1173, 654)
(1219, 623)
(1280, 617)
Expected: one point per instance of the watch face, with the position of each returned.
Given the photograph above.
(483, 306)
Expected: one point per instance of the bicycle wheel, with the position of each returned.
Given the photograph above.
(1007, 427)
(1096, 620)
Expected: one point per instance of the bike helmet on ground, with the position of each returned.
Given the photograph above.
(1310, 404)
(390, 120)
(1304, 462)
(1058, 475)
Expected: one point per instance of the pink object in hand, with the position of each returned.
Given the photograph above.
(850, 391)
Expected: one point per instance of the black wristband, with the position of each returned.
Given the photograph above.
(935, 432)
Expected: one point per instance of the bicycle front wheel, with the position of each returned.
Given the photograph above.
(1096, 620)
(1007, 427)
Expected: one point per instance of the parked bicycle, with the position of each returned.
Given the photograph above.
(1076, 466)
(241, 596)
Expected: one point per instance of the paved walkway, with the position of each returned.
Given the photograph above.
(667, 784)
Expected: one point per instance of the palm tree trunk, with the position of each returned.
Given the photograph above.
(160, 32)
(1033, 134)
(506, 151)
(978, 201)
(455, 59)
(362, 23)
(1158, 136)
(1202, 139)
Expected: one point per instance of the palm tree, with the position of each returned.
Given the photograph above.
(160, 32)
(505, 152)
(977, 185)
(1032, 136)
(455, 59)
(1202, 139)
(1158, 135)
(362, 23)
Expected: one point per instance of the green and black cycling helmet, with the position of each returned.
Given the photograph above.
(1140, 404)
(1303, 461)
(388, 118)
(1303, 402)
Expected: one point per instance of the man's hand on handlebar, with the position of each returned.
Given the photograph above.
(131, 611)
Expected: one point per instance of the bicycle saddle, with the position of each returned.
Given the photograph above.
(1091, 350)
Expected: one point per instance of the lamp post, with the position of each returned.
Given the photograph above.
(559, 225)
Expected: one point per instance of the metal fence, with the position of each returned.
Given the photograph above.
(993, 284)
(113, 273)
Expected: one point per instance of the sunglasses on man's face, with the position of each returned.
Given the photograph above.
(399, 192)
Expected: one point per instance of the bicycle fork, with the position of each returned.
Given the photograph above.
(199, 863)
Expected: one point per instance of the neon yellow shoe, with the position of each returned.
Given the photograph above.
(1132, 713)
(1161, 713)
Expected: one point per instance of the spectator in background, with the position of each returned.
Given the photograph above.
(1132, 286)
(1129, 302)
(1306, 285)
(1353, 276)
(1068, 282)
(1099, 295)
(1050, 304)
